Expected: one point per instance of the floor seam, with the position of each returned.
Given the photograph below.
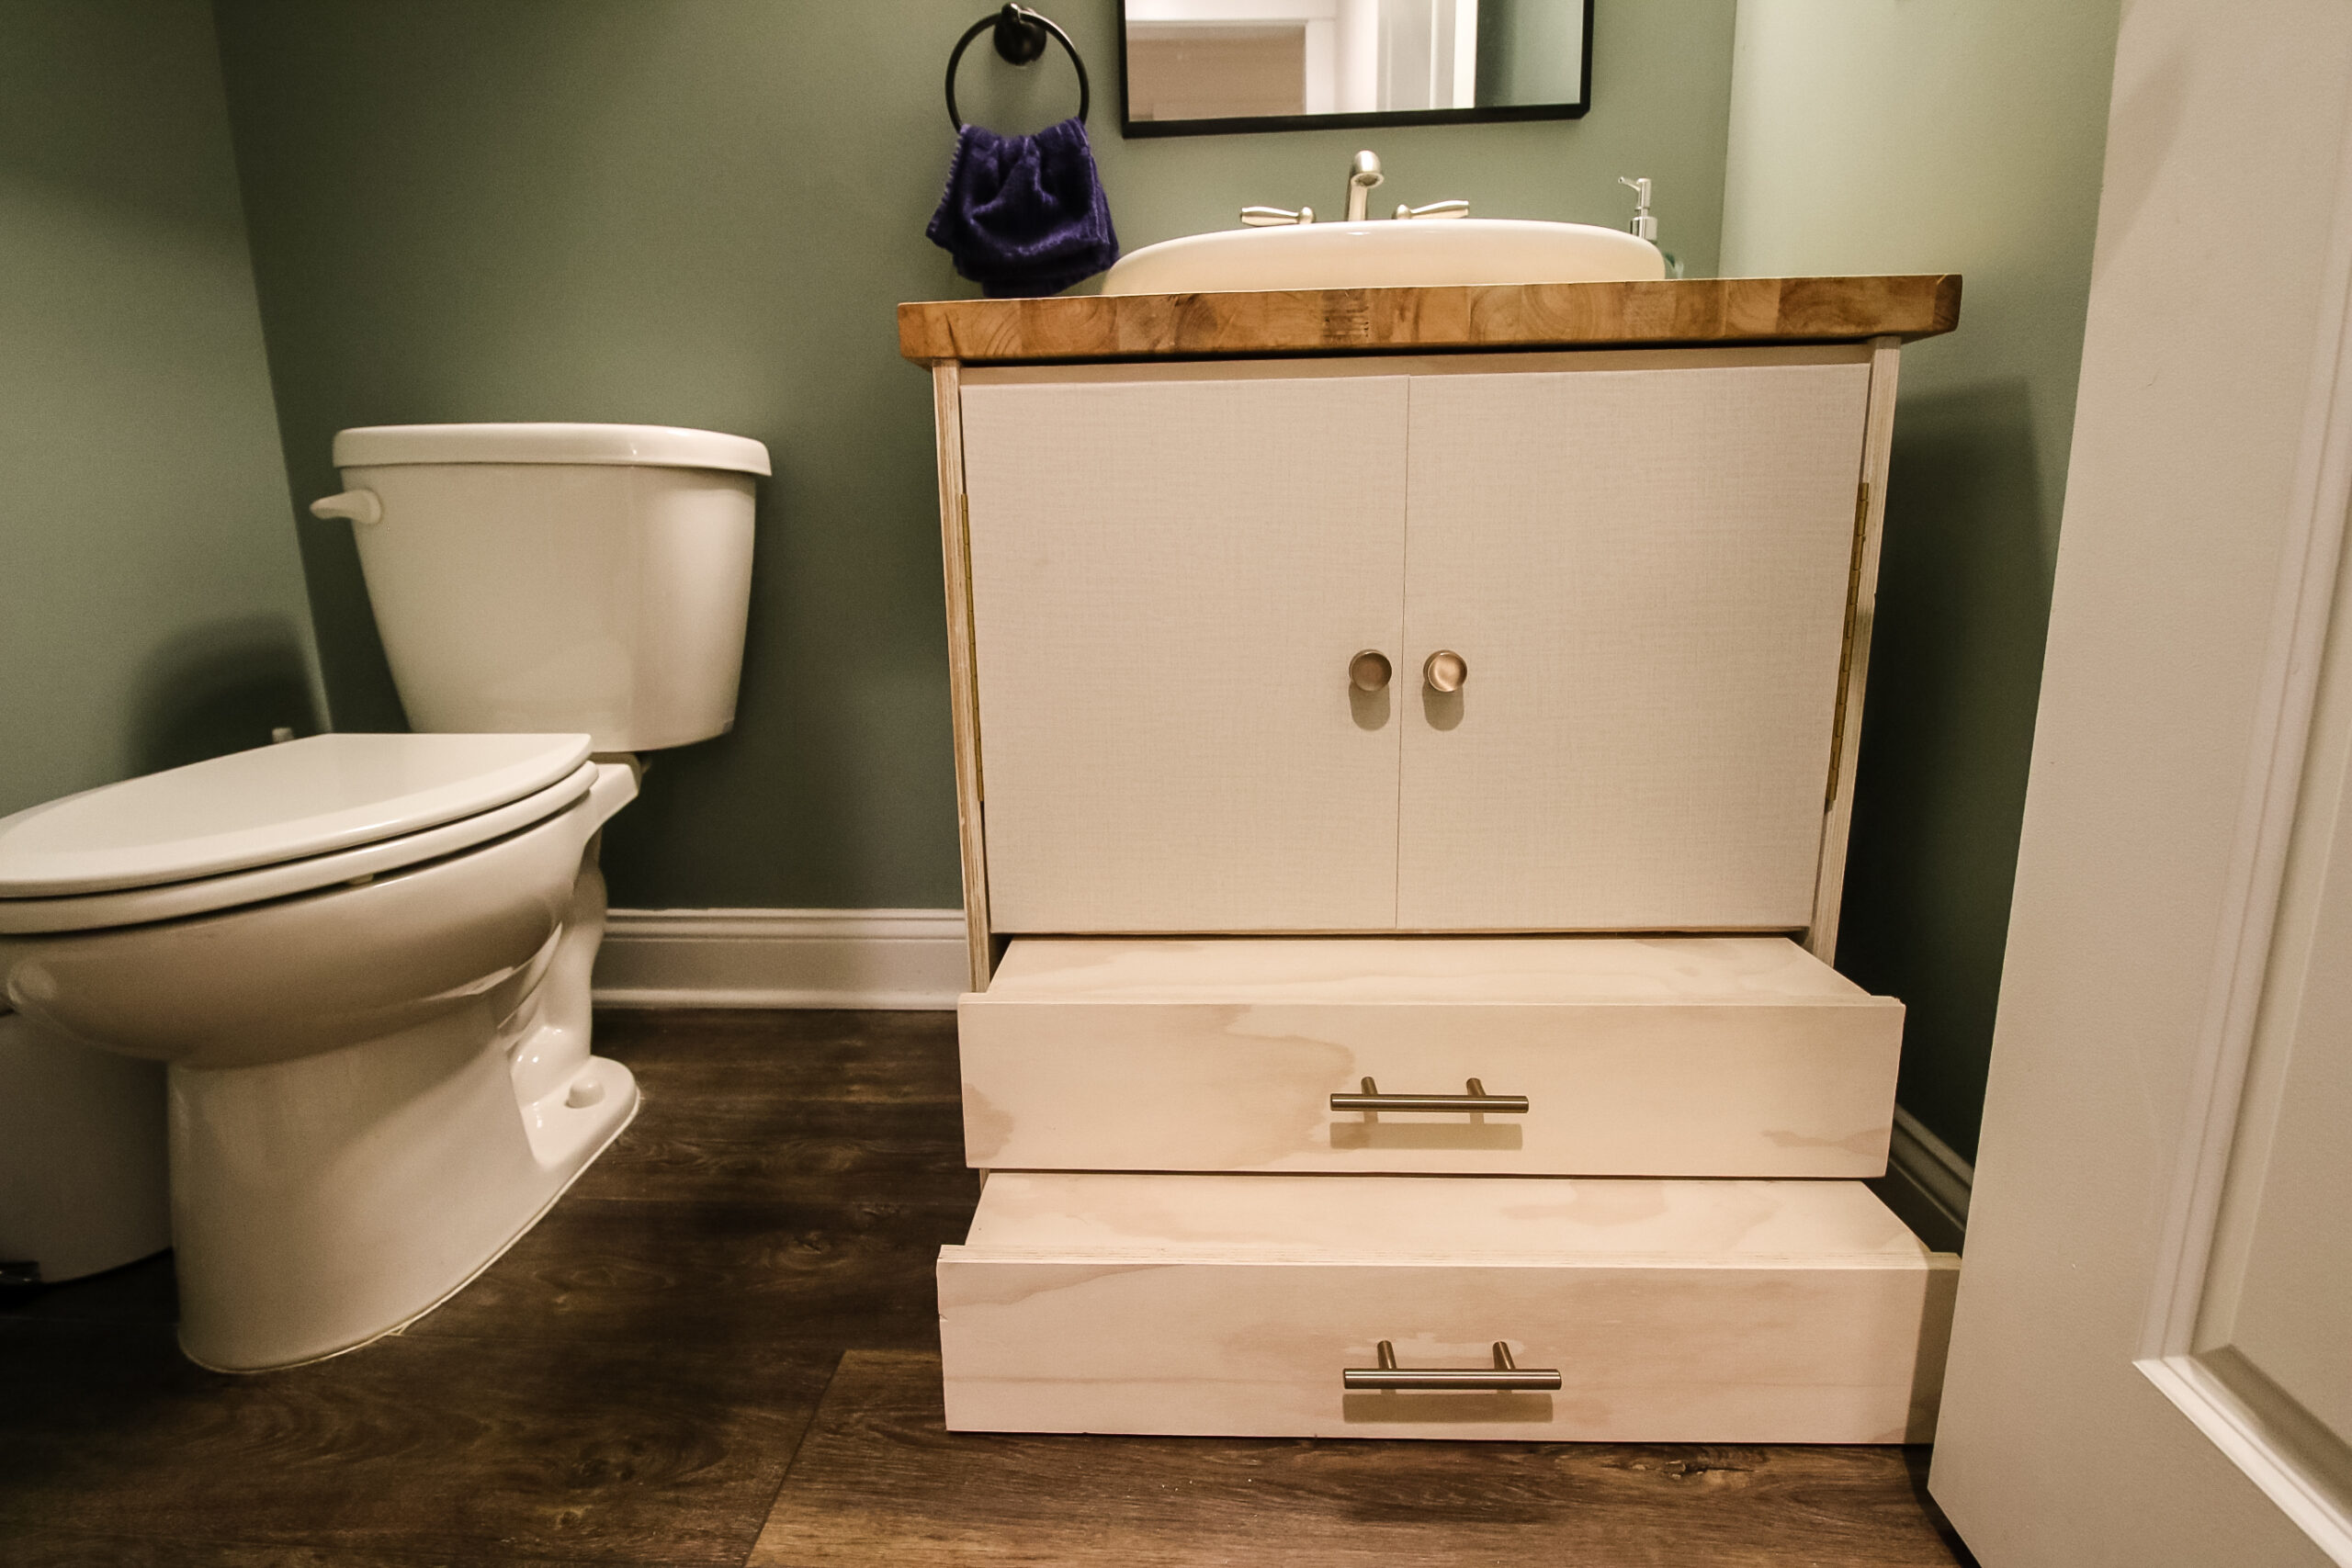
(798, 1441)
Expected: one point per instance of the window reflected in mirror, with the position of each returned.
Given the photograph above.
(1207, 65)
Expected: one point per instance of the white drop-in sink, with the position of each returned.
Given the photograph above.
(1388, 253)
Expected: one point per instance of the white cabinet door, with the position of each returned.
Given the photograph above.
(1647, 573)
(1170, 577)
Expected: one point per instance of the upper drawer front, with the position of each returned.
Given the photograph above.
(1672, 1312)
(1694, 1056)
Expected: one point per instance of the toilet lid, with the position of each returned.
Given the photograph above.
(271, 805)
(312, 874)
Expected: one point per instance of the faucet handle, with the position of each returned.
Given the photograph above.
(1434, 209)
(1275, 217)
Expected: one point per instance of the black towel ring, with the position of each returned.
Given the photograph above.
(1020, 38)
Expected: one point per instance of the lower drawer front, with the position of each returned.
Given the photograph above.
(1738, 1312)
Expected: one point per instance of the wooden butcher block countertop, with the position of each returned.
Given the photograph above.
(1357, 321)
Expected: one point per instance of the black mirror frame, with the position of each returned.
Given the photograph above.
(1131, 128)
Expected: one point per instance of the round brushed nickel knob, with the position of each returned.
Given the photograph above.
(1445, 671)
(1369, 671)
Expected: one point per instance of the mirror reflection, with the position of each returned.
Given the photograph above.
(1204, 65)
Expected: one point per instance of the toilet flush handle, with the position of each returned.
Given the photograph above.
(360, 505)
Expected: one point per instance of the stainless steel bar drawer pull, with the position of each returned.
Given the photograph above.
(1476, 1099)
(1505, 1374)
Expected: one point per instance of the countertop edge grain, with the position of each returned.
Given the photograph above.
(1387, 320)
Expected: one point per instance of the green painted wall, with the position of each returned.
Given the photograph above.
(703, 212)
(151, 605)
(1933, 136)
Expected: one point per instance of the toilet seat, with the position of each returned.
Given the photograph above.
(270, 804)
(354, 808)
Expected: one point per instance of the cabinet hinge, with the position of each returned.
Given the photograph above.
(1846, 651)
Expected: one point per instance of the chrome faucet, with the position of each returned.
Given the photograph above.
(1363, 175)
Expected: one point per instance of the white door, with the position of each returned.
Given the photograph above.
(1646, 572)
(1171, 576)
(2151, 1361)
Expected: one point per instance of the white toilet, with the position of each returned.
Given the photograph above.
(365, 957)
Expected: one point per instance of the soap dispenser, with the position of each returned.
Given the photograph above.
(1644, 226)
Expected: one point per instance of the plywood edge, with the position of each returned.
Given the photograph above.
(954, 523)
(1106, 1260)
(1487, 362)
(1361, 320)
(1525, 969)
(1861, 616)
(1329, 1219)
(1016, 995)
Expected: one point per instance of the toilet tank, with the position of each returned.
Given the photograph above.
(557, 576)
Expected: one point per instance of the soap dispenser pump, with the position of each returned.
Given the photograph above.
(1643, 226)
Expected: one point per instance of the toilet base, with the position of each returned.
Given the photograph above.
(621, 1093)
(321, 1203)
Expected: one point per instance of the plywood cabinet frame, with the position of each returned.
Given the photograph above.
(963, 679)
(948, 377)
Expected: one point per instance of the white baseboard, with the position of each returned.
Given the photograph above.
(1926, 1183)
(783, 958)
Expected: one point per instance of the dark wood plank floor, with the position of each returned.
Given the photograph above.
(631, 1384)
(626, 1386)
(879, 1479)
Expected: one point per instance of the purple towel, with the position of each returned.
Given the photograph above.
(1024, 215)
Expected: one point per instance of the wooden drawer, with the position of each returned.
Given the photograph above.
(1672, 1056)
(1715, 1312)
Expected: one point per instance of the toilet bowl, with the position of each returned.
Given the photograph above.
(364, 959)
(377, 1054)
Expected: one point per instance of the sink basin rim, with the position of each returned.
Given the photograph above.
(1387, 253)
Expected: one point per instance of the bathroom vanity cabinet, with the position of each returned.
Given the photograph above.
(1406, 736)
(1643, 561)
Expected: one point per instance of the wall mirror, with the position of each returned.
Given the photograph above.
(1188, 67)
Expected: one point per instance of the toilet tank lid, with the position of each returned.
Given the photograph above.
(634, 446)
